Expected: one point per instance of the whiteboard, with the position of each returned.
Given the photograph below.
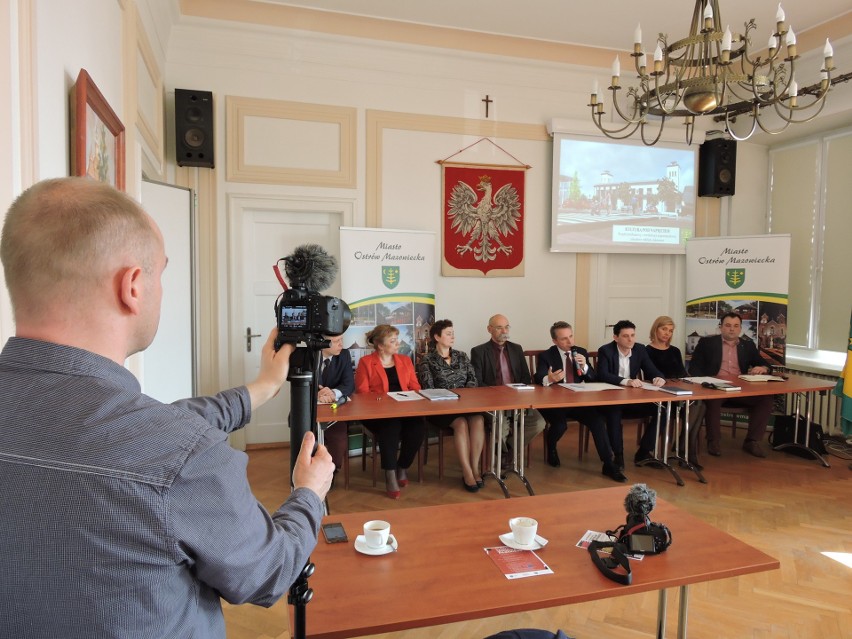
(169, 363)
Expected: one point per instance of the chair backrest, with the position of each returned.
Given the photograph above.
(532, 359)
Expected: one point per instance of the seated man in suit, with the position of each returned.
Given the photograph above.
(565, 362)
(620, 362)
(727, 356)
(337, 384)
(499, 361)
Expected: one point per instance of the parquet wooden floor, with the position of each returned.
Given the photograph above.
(791, 508)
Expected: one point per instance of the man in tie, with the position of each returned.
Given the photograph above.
(337, 384)
(565, 362)
(499, 361)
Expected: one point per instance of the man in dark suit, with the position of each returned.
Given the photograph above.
(565, 362)
(337, 384)
(728, 355)
(499, 361)
(620, 362)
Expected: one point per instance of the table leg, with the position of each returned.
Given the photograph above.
(496, 445)
(683, 460)
(682, 611)
(660, 461)
(661, 614)
(518, 449)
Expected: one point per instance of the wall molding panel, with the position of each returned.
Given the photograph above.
(332, 162)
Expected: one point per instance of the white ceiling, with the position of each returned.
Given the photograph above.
(606, 23)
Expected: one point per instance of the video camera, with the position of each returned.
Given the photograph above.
(302, 314)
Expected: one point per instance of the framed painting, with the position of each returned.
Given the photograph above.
(97, 135)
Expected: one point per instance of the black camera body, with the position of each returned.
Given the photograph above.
(303, 315)
(644, 537)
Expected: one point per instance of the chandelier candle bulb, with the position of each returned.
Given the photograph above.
(791, 43)
(828, 53)
(793, 91)
(637, 39)
(779, 19)
(643, 63)
(773, 44)
(708, 17)
(726, 39)
(658, 59)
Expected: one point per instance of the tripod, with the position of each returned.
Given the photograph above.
(303, 413)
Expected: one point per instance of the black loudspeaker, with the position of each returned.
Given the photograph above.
(194, 128)
(717, 168)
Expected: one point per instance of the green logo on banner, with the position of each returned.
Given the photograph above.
(735, 277)
(390, 276)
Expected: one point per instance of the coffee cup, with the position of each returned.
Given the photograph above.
(376, 533)
(523, 530)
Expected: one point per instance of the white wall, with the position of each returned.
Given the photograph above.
(46, 44)
(84, 34)
(314, 68)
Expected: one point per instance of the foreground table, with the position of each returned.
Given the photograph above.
(441, 574)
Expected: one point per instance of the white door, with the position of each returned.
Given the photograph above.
(263, 230)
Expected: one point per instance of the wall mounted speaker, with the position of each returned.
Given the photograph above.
(717, 167)
(194, 128)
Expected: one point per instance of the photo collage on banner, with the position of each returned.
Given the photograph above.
(388, 277)
(748, 275)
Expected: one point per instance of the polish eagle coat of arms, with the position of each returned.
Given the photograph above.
(485, 221)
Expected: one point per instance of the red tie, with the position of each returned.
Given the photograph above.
(569, 369)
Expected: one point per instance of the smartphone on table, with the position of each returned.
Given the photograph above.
(334, 533)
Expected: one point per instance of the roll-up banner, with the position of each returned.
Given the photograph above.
(388, 277)
(748, 275)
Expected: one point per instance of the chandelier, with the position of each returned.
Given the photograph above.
(715, 73)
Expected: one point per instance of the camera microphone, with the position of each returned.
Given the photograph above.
(311, 266)
(578, 370)
(639, 503)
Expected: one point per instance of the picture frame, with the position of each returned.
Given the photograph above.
(97, 135)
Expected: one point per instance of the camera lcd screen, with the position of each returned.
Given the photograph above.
(641, 543)
(334, 533)
(294, 317)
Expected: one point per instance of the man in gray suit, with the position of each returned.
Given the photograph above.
(499, 361)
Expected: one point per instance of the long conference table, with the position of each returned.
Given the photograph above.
(503, 399)
(441, 574)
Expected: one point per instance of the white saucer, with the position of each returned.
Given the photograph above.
(509, 540)
(362, 547)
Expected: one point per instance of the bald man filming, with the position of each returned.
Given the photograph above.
(121, 516)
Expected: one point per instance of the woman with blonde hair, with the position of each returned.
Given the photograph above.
(383, 371)
(669, 361)
(445, 367)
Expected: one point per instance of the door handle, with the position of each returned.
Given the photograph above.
(249, 336)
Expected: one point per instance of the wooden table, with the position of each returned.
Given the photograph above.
(501, 398)
(440, 574)
(494, 399)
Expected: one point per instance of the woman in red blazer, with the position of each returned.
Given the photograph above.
(386, 371)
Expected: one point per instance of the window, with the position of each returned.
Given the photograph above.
(811, 198)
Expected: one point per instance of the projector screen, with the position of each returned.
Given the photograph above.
(621, 197)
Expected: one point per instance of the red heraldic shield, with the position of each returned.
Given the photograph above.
(484, 219)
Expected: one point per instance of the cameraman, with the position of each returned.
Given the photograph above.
(121, 516)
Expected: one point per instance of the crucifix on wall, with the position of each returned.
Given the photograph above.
(488, 102)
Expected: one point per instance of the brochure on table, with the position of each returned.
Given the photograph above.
(517, 564)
